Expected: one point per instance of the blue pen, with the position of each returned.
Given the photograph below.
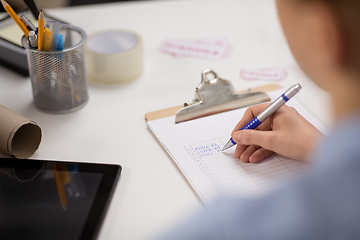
(59, 44)
(270, 110)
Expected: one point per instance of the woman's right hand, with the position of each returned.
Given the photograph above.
(286, 132)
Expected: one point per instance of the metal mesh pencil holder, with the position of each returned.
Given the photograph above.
(58, 78)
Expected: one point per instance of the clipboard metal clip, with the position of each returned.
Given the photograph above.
(216, 96)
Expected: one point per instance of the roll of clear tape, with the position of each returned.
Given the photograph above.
(114, 56)
(19, 137)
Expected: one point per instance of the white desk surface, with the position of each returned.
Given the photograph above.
(152, 194)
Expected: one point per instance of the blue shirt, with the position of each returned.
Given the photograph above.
(324, 204)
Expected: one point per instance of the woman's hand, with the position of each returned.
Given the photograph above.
(286, 132)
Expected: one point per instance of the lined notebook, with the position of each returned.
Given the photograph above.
(196, 145)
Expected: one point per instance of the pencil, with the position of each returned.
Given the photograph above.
(15, 17)
(60, 188)
(41, 31)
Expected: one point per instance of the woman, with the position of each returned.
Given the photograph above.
(324, 37)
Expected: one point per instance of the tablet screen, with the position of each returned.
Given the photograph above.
(53, 200)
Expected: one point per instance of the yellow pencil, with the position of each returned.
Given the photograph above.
(64, 174)
(41, 31)
(60, 188)
(47, 39)
(15, 17)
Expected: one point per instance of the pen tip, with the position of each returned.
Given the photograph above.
(228, 145)
(41, 14)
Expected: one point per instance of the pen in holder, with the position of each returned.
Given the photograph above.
(58, 78)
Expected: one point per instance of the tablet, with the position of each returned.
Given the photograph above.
(42, 199)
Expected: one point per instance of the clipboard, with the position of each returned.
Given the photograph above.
(214, 96)
(195, 143)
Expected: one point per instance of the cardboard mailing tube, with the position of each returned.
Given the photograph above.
(19, 137)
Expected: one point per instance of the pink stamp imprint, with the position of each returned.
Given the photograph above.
(274, 73)
(211, 48)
